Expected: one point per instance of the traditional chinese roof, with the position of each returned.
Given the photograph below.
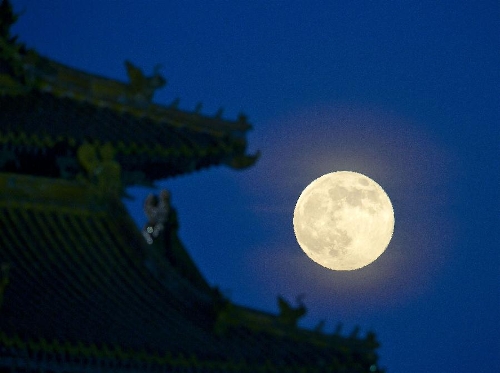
(80, 282)
(81, 288)
(49, 110)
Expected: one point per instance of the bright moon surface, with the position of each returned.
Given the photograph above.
(343, 220)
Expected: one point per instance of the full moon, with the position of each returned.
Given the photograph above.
(343, 220)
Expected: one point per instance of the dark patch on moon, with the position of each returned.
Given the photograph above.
(363, 181)
(338, 192)
(353, 197)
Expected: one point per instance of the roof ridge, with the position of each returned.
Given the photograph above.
(133, 97)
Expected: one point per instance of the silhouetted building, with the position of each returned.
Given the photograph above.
(81, 288)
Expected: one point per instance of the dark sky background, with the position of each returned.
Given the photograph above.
(405, 92)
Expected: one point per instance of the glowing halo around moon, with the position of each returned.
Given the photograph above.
(343, 220)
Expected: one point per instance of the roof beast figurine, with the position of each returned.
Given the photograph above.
(141, 88)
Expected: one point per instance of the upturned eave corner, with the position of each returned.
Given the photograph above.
(243, 161)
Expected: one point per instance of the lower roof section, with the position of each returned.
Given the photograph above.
(76, 272)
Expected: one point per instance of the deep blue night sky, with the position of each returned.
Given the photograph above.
(406, 92)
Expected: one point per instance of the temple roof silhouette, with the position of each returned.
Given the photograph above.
(81, 287)
(51, 109)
